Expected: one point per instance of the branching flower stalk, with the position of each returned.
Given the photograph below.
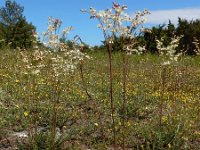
(81, 46)
(63, 60)
(169, 51)
(172, 57)
(115, 23)
(58, 58)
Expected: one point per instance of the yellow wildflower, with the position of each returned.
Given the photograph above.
(25, 113)
(17, 81)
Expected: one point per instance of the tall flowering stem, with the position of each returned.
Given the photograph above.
(171, 58)
(115, 23)
(109, 47)
(57, 58)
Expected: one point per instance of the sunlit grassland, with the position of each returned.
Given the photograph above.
(82, 107)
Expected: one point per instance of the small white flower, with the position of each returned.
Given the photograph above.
(35, 72)
(166, 63)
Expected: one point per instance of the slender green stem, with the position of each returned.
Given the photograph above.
(124, 97)
(111, 94)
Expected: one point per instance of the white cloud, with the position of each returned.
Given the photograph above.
(163, 16)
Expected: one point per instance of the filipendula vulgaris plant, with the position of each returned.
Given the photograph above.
(65, 60)
(55, 60)
(116, 23)
(170, 59)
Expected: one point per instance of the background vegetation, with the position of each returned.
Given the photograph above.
(48, 103)
(15, 31)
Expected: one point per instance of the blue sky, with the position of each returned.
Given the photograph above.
(38, 11)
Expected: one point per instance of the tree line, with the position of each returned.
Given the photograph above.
(15, 31)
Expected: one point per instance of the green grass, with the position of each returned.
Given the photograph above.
(27, 101)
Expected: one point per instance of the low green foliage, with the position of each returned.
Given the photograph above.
(83, 121)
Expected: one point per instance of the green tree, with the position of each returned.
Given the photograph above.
(16, 31)
(189, 30)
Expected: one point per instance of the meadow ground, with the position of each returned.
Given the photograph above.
(163, 104)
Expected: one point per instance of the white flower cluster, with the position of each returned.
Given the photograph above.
(62, 59)
(51, 37)
(116, 23)
(169, 50)
(139, 50)
(33, 63)
(67, 59)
